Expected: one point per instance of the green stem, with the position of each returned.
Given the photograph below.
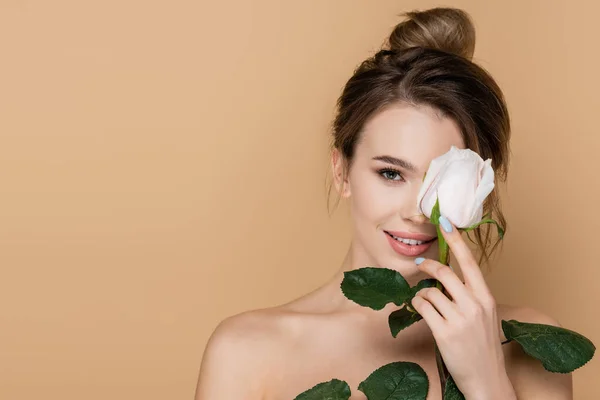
(444, 256)
(443, 246)
(442, 370)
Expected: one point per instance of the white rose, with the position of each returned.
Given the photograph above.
(461, 180)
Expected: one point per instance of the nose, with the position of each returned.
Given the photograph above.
(412, 213)
(418, 218)
(411, 210)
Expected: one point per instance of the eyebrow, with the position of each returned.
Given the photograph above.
(398, 162)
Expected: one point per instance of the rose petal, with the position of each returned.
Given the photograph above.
(462, 181)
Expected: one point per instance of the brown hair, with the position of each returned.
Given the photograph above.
(428, 61)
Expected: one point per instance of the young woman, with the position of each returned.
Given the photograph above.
(403, 107)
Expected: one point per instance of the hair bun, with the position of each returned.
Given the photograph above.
(447, 29)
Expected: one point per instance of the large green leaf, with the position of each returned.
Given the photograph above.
(375, 287)
(332, 390)
(396, 381)
(452, 392)
(406, 316)
(559, 349)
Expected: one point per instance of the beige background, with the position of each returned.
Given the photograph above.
(163, 166)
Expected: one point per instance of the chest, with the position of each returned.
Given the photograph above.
(350, 357)
(348, 360)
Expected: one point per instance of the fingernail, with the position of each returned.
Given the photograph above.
(419, 260)
(446, 225)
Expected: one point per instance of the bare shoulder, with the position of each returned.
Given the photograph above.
(509, 311)
(239, 350)
(527, 375)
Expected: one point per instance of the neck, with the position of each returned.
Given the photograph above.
(354, 260)
(357, 258)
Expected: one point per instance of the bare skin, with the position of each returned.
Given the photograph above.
(279, 352)
(322, 335)
(345, 341)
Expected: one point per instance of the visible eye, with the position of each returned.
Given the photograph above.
(389, 173)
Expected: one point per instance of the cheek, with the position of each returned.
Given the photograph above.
(374, 199)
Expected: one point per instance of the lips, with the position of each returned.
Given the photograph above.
(407, 249)
(416, 236)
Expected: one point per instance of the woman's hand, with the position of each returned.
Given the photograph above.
(466, 327)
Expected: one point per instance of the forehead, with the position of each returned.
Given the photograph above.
(416, 134)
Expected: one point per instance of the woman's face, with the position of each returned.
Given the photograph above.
(383, 196)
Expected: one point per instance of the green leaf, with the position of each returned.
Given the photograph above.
(486, 221)
(332, 390)
(452, 392)
(559, 349)
(425, 283)
(375, 287)
(396, 381)
(406, 316)
(402, 318)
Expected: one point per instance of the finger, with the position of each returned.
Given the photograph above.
(452, 283)
(442, 304)
(452, 268)
(434, 320)
(472, 273)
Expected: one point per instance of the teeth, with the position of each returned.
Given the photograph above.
(408, 241)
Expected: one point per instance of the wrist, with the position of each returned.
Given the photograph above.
(500, 389)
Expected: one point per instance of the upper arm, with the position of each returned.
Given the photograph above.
(232, 363)
(527, 375)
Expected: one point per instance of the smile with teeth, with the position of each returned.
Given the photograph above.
(412, 242)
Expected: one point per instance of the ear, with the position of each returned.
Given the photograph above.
(337, 165)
